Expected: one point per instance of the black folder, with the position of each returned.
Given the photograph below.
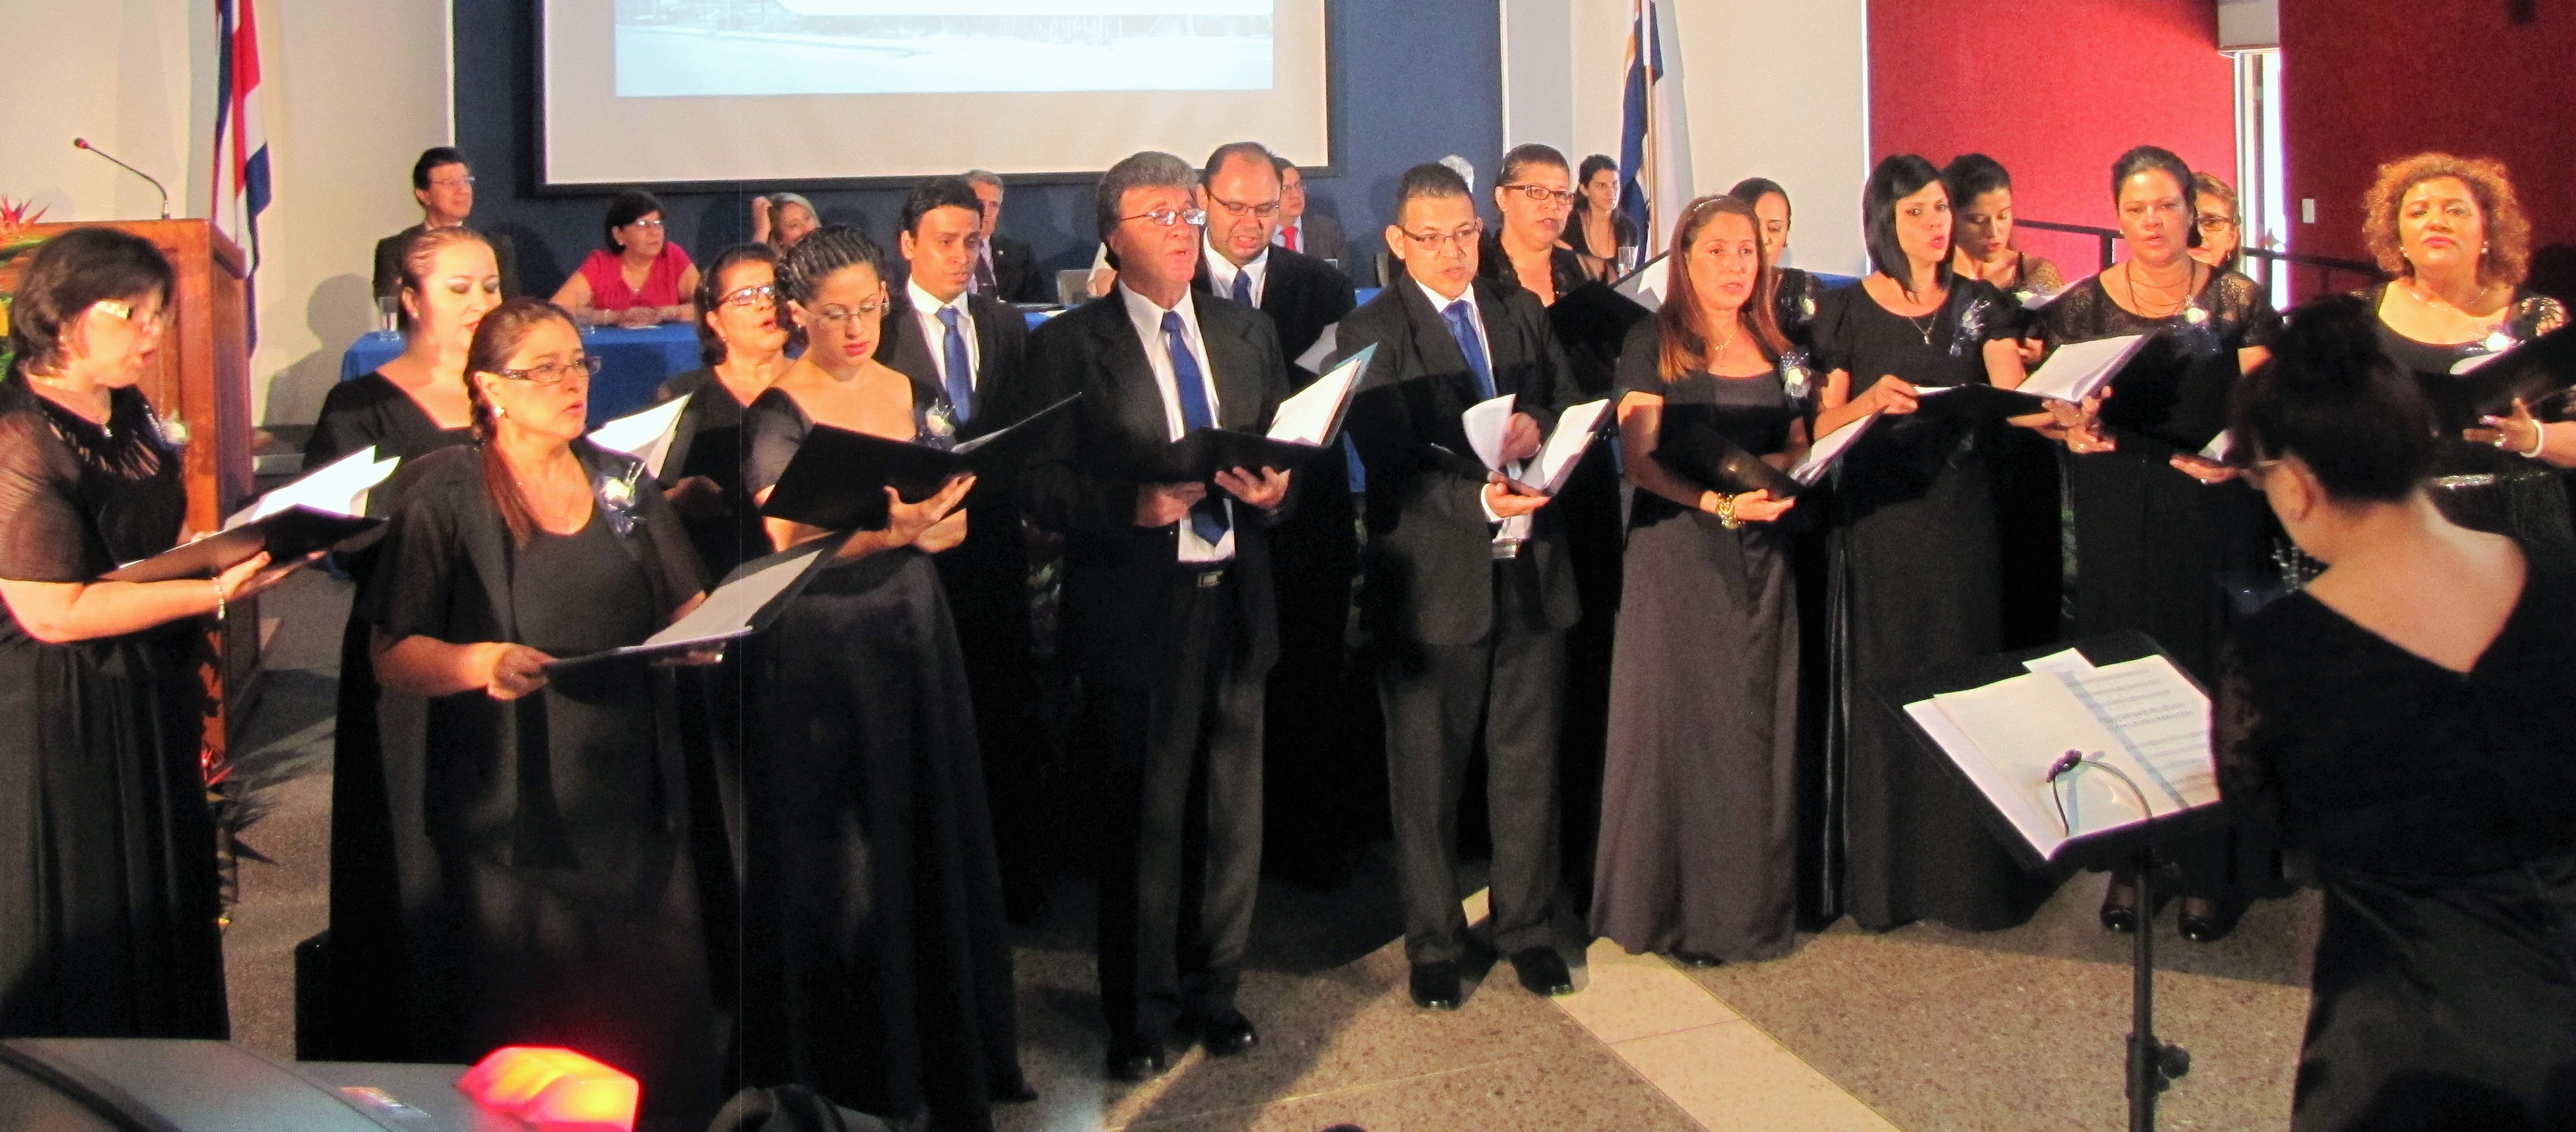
(2542, 372)
(838, 478)
(1690, 446)
(1593, 319)
(286, 536)
(1199, 456)
(1964, 402)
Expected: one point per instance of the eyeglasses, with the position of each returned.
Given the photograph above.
(1166, 217)
(1459, 239)
(841, 316)
(553, 373)
(451, 182)
(646, 222)
(124, 312)
(1262, 211)
(2213, 222)
(1543, 194)
(763, 295)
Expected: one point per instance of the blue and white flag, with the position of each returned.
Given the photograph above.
(1654, 144)
(241, 145)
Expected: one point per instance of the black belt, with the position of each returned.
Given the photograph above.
(1213, 574)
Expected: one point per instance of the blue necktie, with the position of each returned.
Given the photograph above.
(1465, 332)
(959, 374)
(1243, 286)
(1207, 517)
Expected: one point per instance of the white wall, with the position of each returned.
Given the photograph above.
(1772, 89)
(124, 74)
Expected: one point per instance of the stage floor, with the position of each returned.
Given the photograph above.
(1922, 1029)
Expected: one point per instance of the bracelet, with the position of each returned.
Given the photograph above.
(218, 583)
(1726, 513)
(2539, 441)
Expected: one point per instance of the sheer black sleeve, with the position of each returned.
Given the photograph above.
(43, 530)
(773, 428)
(2246, 780)
(2243, 305)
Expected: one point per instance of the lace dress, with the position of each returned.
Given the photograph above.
(2474, 484)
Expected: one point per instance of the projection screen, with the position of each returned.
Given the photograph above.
(683, 91)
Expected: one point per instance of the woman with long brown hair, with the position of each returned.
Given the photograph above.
(563, 906)
(1698, 853)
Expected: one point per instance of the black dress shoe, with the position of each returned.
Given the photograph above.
(2210, 922)
(1543, 971)
(2120, 906)
(1435, 985)
(1228, 1034)
(1137, 1057)
(1697, 960)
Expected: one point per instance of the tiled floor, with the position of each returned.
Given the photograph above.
(1922, 1029)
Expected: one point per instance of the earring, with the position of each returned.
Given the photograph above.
(498, 412)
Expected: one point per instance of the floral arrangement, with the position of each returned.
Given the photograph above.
(15, 218)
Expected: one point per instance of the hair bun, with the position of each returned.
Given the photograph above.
(2329, 348)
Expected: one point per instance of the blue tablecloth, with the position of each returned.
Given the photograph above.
(633, 363)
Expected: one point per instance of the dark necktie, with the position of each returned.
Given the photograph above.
(1207, 516)
(984, 284)
(958, 376)
(1456, 315)
(1243, 285)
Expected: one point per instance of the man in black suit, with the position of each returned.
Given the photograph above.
(1167, 612)
(1300, 230)
(1311, 815)
(1469, 589)
(964, 351)
(444, 185)
(1005, 268)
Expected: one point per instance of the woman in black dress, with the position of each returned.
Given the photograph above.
(877, 957)
(2404, 720)
(2156, 551)
(1794, 293)
(415, 405)
(107, 868)
(1533, 193)
(1698, 850)
(744, 345)
(564, 909)
(2453, 234)
(1599, 233)
(1914, 573)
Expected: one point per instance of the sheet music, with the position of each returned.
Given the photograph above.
(1646, 285)
(2219, 446)
(1486, 422)
(1310, 416)
(1575, 430)
(727, 612)
(1312, 361)
(2077, 369)
(1829, 448)
(339, 488)
(646, 435)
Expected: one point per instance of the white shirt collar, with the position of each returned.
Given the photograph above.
(1149, 318)
(1440, 305)
(929, 304)
(1221, 271)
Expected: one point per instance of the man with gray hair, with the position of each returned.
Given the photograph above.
(1005, 268)
(1168, 613)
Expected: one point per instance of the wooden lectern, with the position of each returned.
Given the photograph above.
(202, 381)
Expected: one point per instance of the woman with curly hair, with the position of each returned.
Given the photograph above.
(2451, 231)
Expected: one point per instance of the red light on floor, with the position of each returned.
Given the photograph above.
(554, 1088)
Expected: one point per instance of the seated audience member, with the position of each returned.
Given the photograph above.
(779, 221)
(444, 185)
(1005, 268)
(1315, 234)
(2403, 720)
(1599, 231)
(641, 278)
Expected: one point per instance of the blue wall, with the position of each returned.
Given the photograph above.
(1413, 79)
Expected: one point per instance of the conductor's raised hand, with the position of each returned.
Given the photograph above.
(1163, 504)
(1521, 437)
(1511, 500)
(510, 671)
(905, 522)
(1891, 395)
(1265, 489)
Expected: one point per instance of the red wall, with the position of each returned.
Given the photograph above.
(2055, 91)
(2369, 81)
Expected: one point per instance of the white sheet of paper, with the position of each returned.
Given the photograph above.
(1309, 416)
(1647, 285)
(339, 487)
(1312, 361)
(1486, 422)
(727, 612)
(2218, 447)
(1828, 448)
(2078, 369)
(2472, 363)
(1575, 429)
(2038, 299)
(646, 435)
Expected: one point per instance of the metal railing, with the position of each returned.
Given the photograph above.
(2264, 262)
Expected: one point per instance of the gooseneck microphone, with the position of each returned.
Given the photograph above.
(83, 143)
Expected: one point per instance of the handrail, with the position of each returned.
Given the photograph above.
(2110, 237)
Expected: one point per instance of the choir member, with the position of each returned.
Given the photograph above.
(876, 955)
(2403, 721)
(2028, 498)
(1315, 745)
(1533, 193)
(2221, 223)
(1698, 817)
(1915, 576)
(1981, 217)
(1169, 613)
(1602, 237)
(107, 868)
(743, 344)
(640, 278)
(414, 405)
(2456, 240)
(2157, 552)
(963, 352)
(1794, 293)
(1470, 630)
(565, 908)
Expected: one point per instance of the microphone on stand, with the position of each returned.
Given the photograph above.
(83, 143)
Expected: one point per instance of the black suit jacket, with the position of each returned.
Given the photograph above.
(1122, 581)
(1015, 272)
(388, 276)
(1001, 341)
(987, 576)
(1301, 294)
(1430, 560)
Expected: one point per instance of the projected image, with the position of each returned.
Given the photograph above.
(760, 47)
